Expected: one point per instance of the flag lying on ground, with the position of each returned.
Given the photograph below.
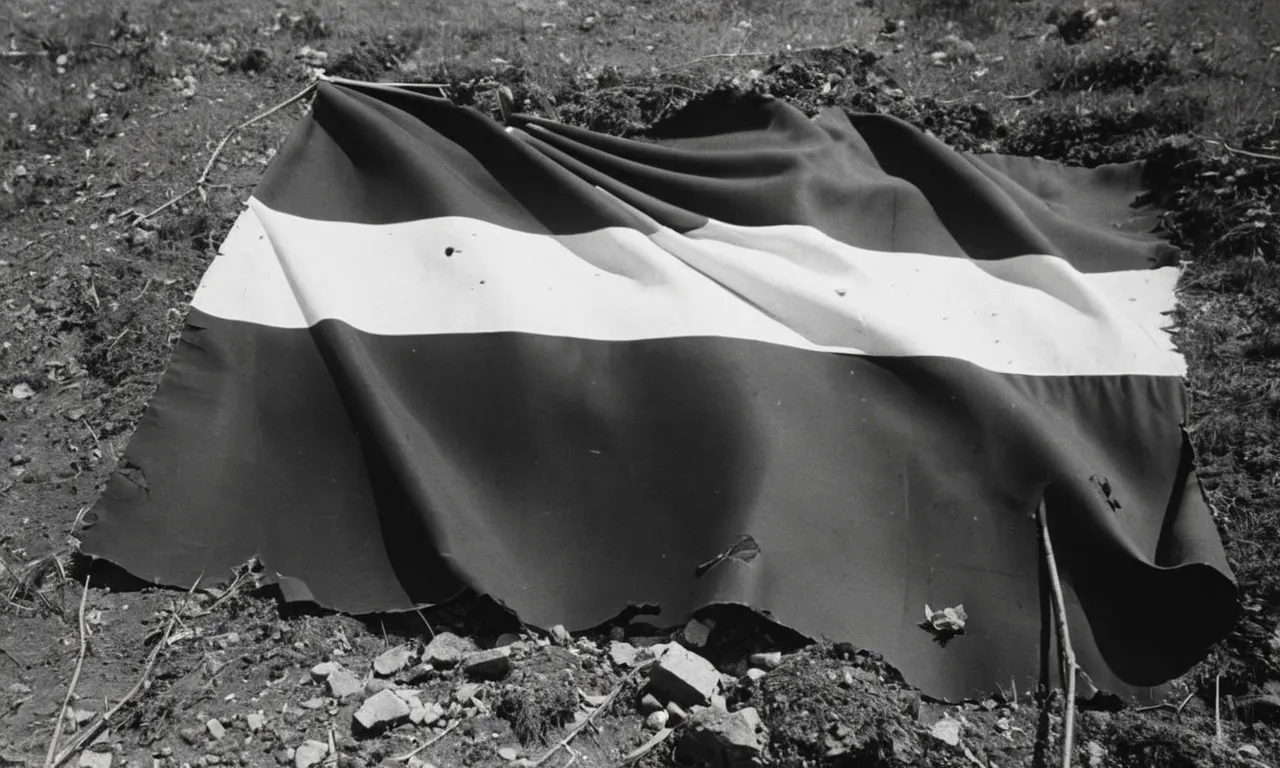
(571, 371)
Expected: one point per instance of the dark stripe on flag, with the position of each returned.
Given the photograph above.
(571, 477)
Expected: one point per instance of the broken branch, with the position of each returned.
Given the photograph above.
(417, 750)
(1241, 152)
(604, 705)
(1064, 640)
(203, 182)
(91, 733)
(75, 678)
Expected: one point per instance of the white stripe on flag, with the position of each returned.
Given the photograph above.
(788, 285)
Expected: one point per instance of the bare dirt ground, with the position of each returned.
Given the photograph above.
(109, 110)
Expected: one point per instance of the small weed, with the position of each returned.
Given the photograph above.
(534, 713)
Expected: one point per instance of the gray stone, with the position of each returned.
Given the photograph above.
(715, 737)
(696, 633)
(947, 730)
(506, 639)
(623, 654)
(466, 692)
(683, 676)
(770, 660)
(381, 711)
(1248, 750)
(216, 730)
(656, 721)
(754, 674)
(447, 649)
(377, 685)
(95, 760)
(313, 703)
(255, 721)
(393, 660)
(426, 714)
(310, 753)
(343, 684)
(487, 665)
(560, 635)
(508, 754)
(649, 703)
(321, 671)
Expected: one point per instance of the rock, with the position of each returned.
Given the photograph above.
(447, 649)
(1097, 754)
(487, 665)
(719, 702)
(22, 391)
(947, 730)
(343, 684)
(715, 737)
(321, 671)
(770, 660)
(95, 760)
(683, 676)
(381, 711)
(313, 703)
(79, 717)
(393, 660)
(1250, 751)
(560, 635)
(649, 703)
(508, 754)
(310, 753)
(656, 721)
(466, 692)
(696, 633)
(377, 685)
(418, 674)
(427, 714)
(255, 721)
(216, 730)
(623, 654)
(506, 639)
(754, 675)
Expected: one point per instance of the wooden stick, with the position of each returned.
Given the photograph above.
(405, 757)
(92, 732)
(75, 678)
(203, 182)
(1217, 707)
(1241, 152)
(604, 705)
(646, 747)
(1064, 639)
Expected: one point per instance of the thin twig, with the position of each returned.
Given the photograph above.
(418, 750)
(1241, 152)
(172, 201)
(424, 621)
(1023, 96)
(202, 183)
(1064, 639)
(710, 56)
(92, 732)
(1177, 708)
(569, 737)
(646, 747)
(1217, 707)
(30, 243)
(75, 678)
